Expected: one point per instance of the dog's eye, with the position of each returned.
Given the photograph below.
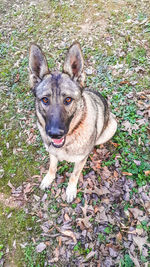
(67, 100)
(45, 100)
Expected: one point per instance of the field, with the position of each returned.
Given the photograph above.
(107, 224)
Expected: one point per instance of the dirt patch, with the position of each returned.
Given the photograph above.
(9, 201)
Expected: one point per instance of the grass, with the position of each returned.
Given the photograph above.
(115, 49)
(127, 262)
(12, 223)
(32, 258)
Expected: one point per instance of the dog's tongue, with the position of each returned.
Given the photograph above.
(58, 141)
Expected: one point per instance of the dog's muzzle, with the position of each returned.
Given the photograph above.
(57, 137)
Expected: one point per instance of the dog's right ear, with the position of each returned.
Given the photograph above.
(38, 66)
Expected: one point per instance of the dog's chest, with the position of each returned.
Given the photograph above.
(73, 151)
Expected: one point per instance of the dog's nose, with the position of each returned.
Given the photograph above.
(56, 133)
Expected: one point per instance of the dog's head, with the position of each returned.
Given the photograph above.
(58, 95)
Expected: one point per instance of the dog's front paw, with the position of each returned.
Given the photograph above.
(46, 182)
(71, 193)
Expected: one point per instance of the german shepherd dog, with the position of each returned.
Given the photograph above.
(71, 119)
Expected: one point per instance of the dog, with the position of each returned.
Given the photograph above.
(71, 119)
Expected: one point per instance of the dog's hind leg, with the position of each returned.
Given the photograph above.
(50, 176)
(71, 190)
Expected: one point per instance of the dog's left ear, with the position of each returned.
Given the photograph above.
(74, 64)
(38, 66)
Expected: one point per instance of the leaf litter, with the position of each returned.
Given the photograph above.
(90, 231)
(109, 218)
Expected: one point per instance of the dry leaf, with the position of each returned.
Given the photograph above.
(59, 241)
(84, 209)
(28, 188)
(56, 253)
(68, 233)
(81, 224)
(98, 191)
(40, 247)
(127, 173)
(89, 256)
(77, 200)
(147, 173)
(136, 212)
(115, 174)
(66, 217)
(114, 144)
(85, 221)
(105, 172)
(119, 237)
(140, 241)
(101, 191)
(96, 209)
(125, 82)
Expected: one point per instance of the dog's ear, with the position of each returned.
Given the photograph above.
(74, 64)
(38, 66)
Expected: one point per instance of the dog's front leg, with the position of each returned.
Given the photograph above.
(50, 176)
(71, 190)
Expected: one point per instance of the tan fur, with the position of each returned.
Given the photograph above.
(91, 121)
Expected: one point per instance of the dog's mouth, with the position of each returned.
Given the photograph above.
(58, 142)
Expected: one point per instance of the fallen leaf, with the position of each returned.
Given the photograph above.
(59, 241)
(140, 241)
(116, 174)
(40, 247)
(119, 237)
(56, 254)
(98, 191)
(85, 221)
(96, 209)
(81, 224)
(125, 82)
(101, 191)
(105, 173)
(77, 200)
(147, 173)
(114, 144)
(89, 256)
(127, 173)
(28, 188)
(68, 233)
(66, 217)
(113, 252)
(129, 127)
(102, 217)
(136, 212)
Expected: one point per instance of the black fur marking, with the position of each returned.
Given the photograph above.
(55, 79)
(106, 108)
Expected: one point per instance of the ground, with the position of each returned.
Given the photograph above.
(107, 224)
